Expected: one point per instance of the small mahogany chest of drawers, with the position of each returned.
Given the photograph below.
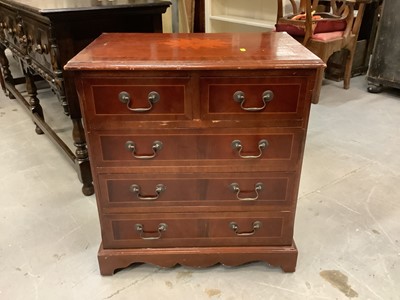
(196, 145)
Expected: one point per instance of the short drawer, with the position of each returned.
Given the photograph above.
(128, 99)
(217, 191)
(254, 98)
(197, 230)
(275, 149)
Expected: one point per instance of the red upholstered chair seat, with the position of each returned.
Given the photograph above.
(328, 23)
(327, 36)
(323, 30)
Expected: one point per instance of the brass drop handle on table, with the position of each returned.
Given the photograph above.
(131, 146)
(161, 228)
(12, 31)
(235, 227)
(237, 145)
(39, 48)
(24, 40)
(135, 188)
(266, 97)
(236, 189)
(125, 97)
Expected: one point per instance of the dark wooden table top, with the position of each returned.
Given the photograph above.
(141, 51)
(54, 6)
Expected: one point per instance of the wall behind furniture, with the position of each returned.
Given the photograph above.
(186, 13)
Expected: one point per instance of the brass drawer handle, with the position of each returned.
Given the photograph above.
(24, 40)
(131, 146)
(236, 189)
(12, 31)
(161, 228)
(234, 226)
(39, 48)
(237, 145)
(239, 97)
(135, 188)
(153, 97)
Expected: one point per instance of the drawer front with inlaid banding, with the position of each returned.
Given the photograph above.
(197, 230)
(199, 192)
(131, 99)
(253, 98)
(276, 150)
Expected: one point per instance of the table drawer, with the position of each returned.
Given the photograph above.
(254, 98)
(126, 99)
(197, 230)
(275, 149)
(12, 30)
(221, 191)
(39, 46)
(27, 37)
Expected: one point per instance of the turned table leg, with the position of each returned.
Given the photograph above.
(82, 163)
(2, 83)
(82, 157)
(5, 73)
(33, 100)
(63, 100)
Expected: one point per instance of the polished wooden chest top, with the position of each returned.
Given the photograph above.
(196, 143)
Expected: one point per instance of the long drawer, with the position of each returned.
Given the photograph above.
(273, 149)
(197, 230)
(199, 192)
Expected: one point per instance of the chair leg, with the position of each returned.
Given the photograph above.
(348, 67)
(317, 86)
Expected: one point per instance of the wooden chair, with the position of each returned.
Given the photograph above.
(324, 32)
